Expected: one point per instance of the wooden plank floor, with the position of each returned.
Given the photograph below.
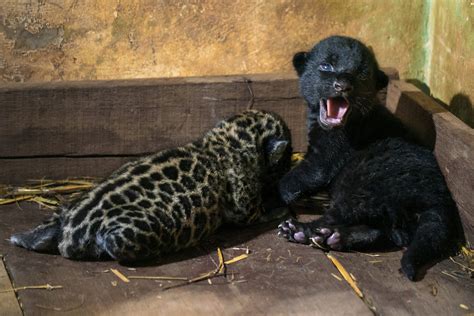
(277, 278)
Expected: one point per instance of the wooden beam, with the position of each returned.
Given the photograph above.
(18, 171)
(130, 117)
(60, 130)
(454, 150)
(451, 140)
(63, 129)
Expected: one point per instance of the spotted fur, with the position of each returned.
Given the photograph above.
(172, 199)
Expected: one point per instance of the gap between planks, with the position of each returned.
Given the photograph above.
(9, 304)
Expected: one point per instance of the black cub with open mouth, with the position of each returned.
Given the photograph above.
(385, 190)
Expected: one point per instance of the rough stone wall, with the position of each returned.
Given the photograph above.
(43, 40)
(49, 40)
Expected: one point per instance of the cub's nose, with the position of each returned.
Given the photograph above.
(343, 85)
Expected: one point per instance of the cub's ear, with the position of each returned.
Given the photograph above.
(381, 79)
(299, 62)
(275, 150)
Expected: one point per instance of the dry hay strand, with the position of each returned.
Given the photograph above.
(220, 270)
(120, 275)
(465, 260)
(47, 193)
(297, 157)
(346, 275)
(48, 287)
(157, 277)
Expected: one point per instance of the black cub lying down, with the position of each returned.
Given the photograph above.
(385, 190)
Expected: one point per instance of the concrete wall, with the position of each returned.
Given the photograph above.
(47, 40)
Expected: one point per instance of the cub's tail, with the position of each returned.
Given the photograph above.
(43, 238)
(438, 236)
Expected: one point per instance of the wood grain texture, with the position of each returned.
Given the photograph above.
(454, 150)
(8, 303)
(136, 116)
(18, 171)
(62, 129)
(441, 291)
(451, 140)
(415, 109)
(278, 277)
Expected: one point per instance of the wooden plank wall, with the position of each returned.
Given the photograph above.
(60, 130)
(451, 140)
(66, 129)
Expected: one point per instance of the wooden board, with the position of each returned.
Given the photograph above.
(277, 278)
(50, 129)
(100, 125)
(44, 124)
(8, 302)
(441, 291)
(18, 171)
(451, 140)
(133, 117)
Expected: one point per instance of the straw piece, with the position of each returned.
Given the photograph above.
(296, 157)
(463, 306)
(449, 274)
(120, 275)
(461, 265)
(235, 259)
(48, 203)
(211, 274)
(48, 287)
(220, 270)
(158, 277)
(222, 267)
(345, 275)
(467, 252)
(336, 277)
(46, 188)
(4, 201)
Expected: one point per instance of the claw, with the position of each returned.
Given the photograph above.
(324, 231)
(333, 239)
(317, 239)
(290, 224)
(318, 242)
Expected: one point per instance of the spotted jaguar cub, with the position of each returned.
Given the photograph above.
(172, 199)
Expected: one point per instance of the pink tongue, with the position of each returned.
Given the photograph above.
(337, 107)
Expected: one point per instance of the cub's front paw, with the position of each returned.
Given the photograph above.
(327, 238)
(288, 190)
(294, 231)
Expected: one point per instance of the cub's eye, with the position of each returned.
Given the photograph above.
(326, 67)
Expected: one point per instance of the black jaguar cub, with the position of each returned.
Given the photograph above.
(385, 190)
(174, 198)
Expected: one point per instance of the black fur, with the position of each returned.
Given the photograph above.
(385, 190)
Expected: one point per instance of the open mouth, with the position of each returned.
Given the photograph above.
(333, 110)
